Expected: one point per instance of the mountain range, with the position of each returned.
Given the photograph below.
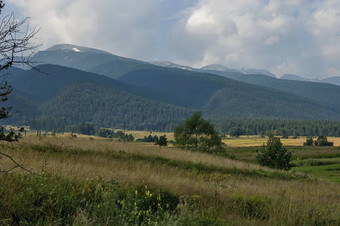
(73, 84)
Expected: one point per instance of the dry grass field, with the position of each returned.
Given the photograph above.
(234, 190)
(254, 141)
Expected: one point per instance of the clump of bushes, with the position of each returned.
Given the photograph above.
(54, 200)
(33, 199)
(320, 141)
(148, 139)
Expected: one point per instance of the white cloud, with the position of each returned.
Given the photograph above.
(291, 36)
(126, 27)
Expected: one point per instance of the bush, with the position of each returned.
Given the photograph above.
(148, 139)
(309, 142)
(322, 141)
(162, 141)
(52, 200)
(274, 155)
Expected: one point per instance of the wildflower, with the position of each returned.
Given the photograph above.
(147, 193)
(136, 192)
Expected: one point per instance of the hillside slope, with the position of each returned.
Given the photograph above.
(324, 94)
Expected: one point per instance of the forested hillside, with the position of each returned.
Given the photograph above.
(106, 107)
(147, 96)
(325, 94)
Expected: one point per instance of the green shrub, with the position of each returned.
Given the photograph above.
(47, 199)
(274, 155)
(309, 142)
(322, 141)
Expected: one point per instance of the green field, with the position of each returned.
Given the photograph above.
(320, 162)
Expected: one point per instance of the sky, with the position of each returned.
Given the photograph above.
(282, 36)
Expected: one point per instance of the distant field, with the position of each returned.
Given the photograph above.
(321, 162)
(253, 141)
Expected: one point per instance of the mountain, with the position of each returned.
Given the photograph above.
(62, 96)
(257, 71)
(324, 94)
(332, 80)
(158, 97)
(229, 97)
(107, 107)
(294, 77)
(45, 81)
(216, 67)
(335, 80)
(163, 63)
(87, 59)
(221, 68)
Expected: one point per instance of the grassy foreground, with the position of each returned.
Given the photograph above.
(96, 181)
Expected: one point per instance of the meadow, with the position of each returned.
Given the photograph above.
(89, 180)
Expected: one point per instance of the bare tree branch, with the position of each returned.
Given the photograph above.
(15, 48)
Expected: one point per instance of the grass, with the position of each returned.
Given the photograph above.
(210, 189)
(328, 172)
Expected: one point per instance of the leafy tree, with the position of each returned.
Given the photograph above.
(322, 141)
(162, 141)
(197, 133)
(274, 155)
(309, 142)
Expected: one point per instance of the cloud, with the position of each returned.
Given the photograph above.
(127, 28)
(291, 36)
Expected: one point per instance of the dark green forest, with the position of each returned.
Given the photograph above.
(110, 91)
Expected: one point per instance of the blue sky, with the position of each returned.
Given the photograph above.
(291, 36)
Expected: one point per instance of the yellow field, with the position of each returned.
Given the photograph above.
(242, 141)
(253, 141)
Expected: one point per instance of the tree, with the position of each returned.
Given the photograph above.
(322, 141)
(274, 155)
(309, 142)
(198, 134)
(15, 48)
(162, 141)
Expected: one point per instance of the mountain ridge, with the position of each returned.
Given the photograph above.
(171, 90)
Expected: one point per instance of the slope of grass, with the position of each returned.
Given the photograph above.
(209, 189)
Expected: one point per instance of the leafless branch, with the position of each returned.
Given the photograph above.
(16, 164)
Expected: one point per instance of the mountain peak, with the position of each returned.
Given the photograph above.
(74, 48)
(215, 67)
